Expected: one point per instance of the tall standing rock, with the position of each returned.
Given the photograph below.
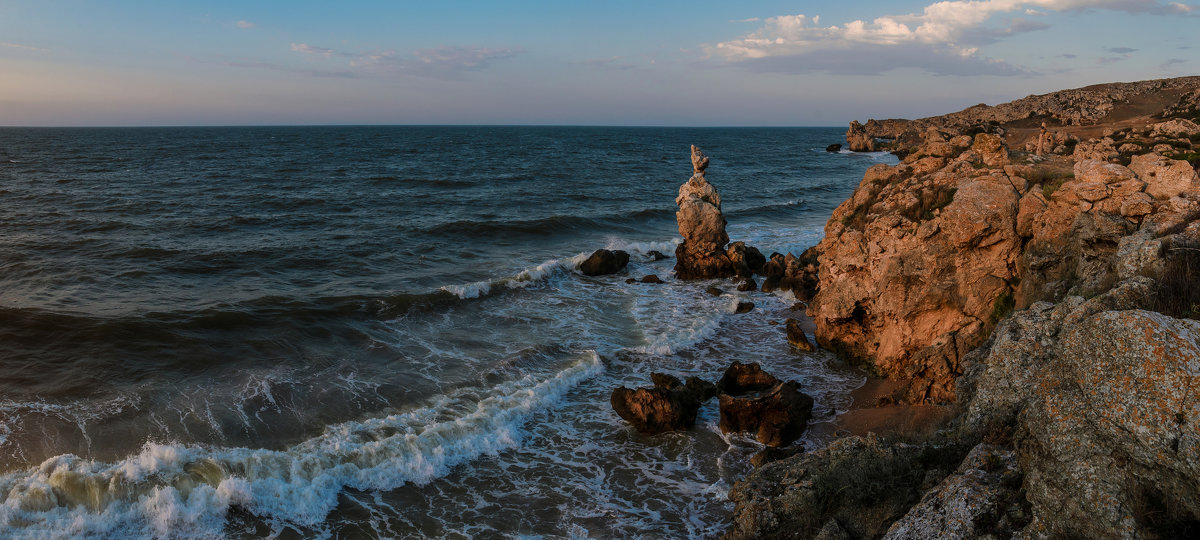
(702, 254)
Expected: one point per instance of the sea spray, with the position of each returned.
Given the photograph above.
(187, 489)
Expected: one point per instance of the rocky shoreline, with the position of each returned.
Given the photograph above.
(1031, 267)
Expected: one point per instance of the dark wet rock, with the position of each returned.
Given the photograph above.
(748, 259)
(665, 381)
(714, 291)
(651, 279)
(744, 307)
(603, 262)
(747, 284)
(656, 256)
(631, 280)
(741, 378)
(835, 147)
(671, 405)
(700, 388)
(777, 416)
(796, 337)
(757, 402)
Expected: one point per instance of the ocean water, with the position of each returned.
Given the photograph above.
(380, 331)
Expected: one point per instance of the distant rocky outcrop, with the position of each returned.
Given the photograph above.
(858, 140)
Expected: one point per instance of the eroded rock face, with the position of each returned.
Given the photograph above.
(702, 253)
(857, 138)
(916, 261)
(1102, 392)
(603, 261)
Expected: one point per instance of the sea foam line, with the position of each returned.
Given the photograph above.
(541, 272)
(174, 490)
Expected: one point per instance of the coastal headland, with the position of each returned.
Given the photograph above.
(1030, 272)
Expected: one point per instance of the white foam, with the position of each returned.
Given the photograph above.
(522, 279)
(186, 490)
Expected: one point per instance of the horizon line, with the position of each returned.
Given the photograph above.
(649, 126)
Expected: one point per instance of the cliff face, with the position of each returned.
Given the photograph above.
(918, 266)
(1054, 297)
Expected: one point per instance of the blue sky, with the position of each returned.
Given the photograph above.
(594, 63)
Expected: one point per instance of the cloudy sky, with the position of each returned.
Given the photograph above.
(613, 62)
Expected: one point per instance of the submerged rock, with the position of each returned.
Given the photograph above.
(744, 307)
(603, 262)
(796, 337)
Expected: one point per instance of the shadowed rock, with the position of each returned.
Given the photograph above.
(670, 405)
(796, 337)
(604, 262)
(757, 402)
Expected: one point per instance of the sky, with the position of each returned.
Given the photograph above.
(613, 62)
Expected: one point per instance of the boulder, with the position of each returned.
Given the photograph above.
(1164, 177)
(747, 284)
(992, 149)
(1176, 127)
(1091, 170)
(744, 307)
(656, 255)
(836, 147)
(748, 259)
(714, 291)
(757, 402)
(796, 337)
(652, 279)
(604, 261)
(669, 405)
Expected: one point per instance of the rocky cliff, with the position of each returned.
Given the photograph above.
(1051, 296)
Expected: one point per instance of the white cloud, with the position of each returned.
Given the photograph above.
(309, 49)
(440, 62)
(22, 47)
(246, 25)
(942, 29)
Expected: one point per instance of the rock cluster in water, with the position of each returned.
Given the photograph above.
(751, 401)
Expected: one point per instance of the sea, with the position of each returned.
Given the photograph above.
(370, 332)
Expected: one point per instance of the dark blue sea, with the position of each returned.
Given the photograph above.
(381, 331)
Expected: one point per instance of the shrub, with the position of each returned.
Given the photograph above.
(931, 200)
(1178, 293)
(1002, 307)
